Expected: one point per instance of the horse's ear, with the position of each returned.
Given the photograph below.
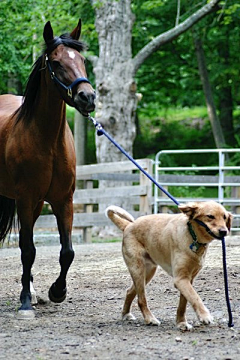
(48, 32)
(75, 34)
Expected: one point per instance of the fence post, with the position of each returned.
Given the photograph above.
(87, 231)
(146, 200)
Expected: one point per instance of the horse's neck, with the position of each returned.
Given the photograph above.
(50, 113)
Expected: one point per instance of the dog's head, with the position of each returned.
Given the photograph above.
(211, 216)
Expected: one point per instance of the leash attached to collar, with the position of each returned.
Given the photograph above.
(195, 246)
(101, 131)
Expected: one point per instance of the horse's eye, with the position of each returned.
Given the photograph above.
(210, 216)
(57, 64)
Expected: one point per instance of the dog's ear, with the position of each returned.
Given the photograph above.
(229, 221)
(189, 209)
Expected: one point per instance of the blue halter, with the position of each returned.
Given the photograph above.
(69, 88)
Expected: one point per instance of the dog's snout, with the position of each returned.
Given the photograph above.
(222, 232)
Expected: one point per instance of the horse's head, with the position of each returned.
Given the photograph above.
(67, 69)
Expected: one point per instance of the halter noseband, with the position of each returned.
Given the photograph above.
(69, 88)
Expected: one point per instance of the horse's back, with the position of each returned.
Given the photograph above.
(9, 104)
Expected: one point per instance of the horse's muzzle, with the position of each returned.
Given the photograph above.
(85, 101)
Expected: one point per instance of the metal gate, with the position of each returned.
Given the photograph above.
(219, 182)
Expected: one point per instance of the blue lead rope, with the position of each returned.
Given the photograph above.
(230, 319)
(101, 131)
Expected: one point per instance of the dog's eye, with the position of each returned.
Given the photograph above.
(210, 216)
(224, 216)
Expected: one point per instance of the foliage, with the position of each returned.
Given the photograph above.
(22, 43)
(168, 79)
(173, 129)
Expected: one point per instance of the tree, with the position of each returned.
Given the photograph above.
(212, 113)
(19, 41)
(115, 69)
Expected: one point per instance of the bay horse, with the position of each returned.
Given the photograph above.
(37, 156)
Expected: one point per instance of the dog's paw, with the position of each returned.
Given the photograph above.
(128, 317)
(152, 321)
(184, 326)
(205, 318)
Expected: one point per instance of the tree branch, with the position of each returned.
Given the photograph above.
(171, 34)
(178, 12)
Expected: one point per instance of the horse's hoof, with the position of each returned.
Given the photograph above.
(25, 314)
(54, 297)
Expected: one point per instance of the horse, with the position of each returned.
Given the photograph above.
(37, 155)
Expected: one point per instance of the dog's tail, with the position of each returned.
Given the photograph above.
(120, 217)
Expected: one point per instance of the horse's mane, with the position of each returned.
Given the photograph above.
(24, 112)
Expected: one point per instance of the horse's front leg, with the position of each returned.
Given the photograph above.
(64, 214)
(28, 253)
(27, 217)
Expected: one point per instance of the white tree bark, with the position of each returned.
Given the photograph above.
(115, 87)
(115, 69)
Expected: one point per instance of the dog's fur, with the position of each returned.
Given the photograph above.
(164, 240)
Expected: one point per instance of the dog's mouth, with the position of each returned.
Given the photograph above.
(221, 232)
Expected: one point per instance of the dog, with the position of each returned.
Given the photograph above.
(176, 242)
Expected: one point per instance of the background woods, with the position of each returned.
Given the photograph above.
(140, 50)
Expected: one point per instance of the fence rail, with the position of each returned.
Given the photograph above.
(223, 178)
(91, 199)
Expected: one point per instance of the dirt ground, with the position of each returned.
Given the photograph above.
(88, 324)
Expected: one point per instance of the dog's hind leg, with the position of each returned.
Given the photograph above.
(149, 318)
(126, 312)
(141, 275)
(131, 293)
(182, 323)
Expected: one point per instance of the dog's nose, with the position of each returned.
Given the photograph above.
(222, 232)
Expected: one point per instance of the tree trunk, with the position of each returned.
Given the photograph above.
(115, 86)
(226, 114)
(225, 100)
(215, 123)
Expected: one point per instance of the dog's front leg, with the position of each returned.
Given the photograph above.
(187, 291)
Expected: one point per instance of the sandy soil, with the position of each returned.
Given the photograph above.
(88, 324)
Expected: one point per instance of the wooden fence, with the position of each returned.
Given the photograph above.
(126, 183)
(90, 199)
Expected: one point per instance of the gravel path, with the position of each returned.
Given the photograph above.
(88, 324)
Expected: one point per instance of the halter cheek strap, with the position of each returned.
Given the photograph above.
(69, 88)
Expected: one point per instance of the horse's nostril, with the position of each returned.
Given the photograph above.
(83, 96)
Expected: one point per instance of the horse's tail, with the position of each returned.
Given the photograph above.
(7, 216)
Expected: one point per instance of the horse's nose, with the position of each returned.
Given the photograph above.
(87, 98)
(85, 101)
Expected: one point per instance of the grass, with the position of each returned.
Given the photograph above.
(104, 240)
(180, 114)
